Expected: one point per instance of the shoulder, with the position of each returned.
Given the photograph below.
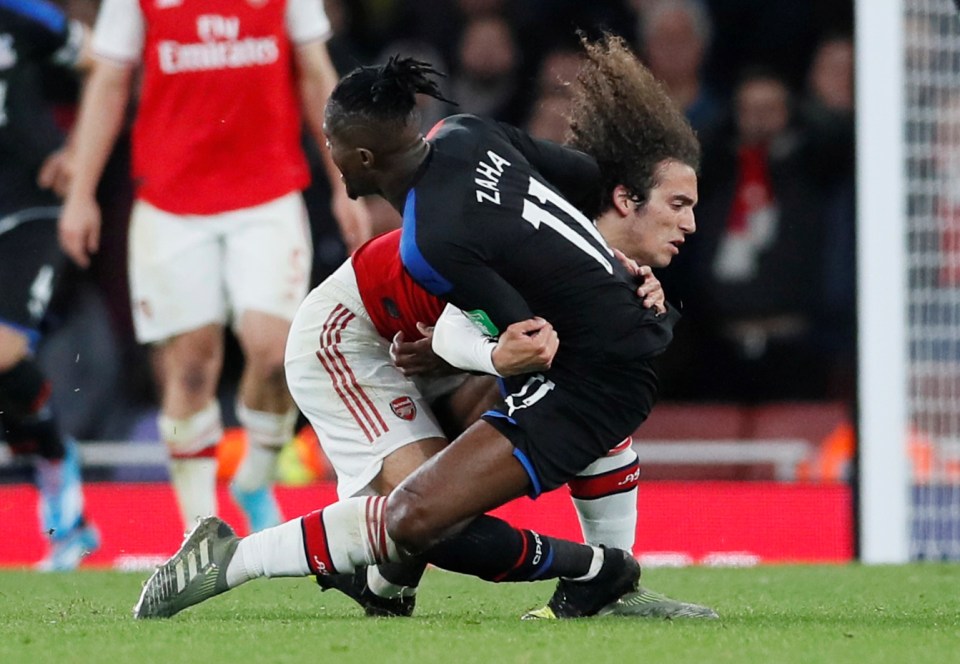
(466, 139)
(463, 128)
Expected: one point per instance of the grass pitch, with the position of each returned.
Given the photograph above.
(773, 615)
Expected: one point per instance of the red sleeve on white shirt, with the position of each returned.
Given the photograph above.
(306, 21)
(118, 34)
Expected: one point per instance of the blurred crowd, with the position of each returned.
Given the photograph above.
(766, 285)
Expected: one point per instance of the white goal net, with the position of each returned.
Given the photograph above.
(931, 107)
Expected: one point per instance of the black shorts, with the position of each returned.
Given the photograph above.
(31, 264)
(560, 425)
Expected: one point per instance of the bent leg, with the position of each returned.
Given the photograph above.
(441, 518)
(474, 474)
(397, 581)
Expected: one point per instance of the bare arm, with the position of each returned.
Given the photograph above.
(317, 78)
(101, 117)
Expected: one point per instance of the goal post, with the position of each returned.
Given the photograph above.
(883, 491)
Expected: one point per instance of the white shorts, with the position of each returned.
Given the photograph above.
(340, 374)
(187, 271)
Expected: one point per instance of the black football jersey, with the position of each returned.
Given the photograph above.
(486, 227)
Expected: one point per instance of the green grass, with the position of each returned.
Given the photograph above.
(771, 615)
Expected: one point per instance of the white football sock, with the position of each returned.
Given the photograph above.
(195, 485)
(267, 433)
(273, 552)
(609, 518)
(191, 443)
(356, 534)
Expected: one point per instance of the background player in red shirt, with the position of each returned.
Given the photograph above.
(218, 230)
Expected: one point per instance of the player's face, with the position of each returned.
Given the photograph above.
(659, 228)
(354, 168)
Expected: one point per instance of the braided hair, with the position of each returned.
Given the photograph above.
(622, 116)
(384, 93)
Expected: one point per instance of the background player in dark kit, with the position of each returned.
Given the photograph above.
(35, 34)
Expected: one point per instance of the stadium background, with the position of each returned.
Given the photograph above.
(742, 463)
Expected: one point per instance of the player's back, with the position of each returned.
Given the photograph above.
(483, 229)
(394, 301)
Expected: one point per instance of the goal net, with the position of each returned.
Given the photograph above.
(931, 107)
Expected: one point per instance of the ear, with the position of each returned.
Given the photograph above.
(622, 200)
(366, 157)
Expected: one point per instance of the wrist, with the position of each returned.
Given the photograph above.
(497, 368)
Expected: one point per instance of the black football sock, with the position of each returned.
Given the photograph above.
(28, 421)
(492, 549)
(406, 574)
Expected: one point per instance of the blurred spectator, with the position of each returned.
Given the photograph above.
(346, 52)
(550, 118)
(549, 115)
(828, 110)
(486, 75)
(830, 81)
(547, 24)
(558, 69)
(782, 34)
(758, 266)
(441, 23)
(431, 110)
(375, 23)
(675, 36)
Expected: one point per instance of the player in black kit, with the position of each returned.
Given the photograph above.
(484, 230)
(35, 34)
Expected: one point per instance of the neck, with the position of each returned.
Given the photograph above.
(404, 169)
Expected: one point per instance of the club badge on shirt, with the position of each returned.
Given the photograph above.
(404, 408)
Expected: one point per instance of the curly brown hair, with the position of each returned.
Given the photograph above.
(622, 116)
